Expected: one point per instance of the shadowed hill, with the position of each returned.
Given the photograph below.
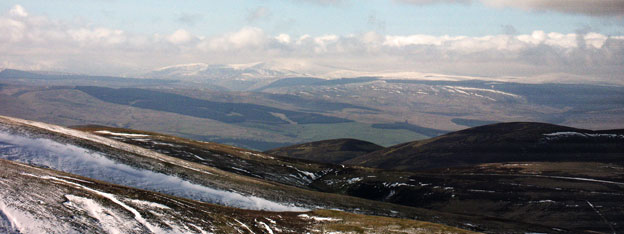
(504, 142)
(329, 151)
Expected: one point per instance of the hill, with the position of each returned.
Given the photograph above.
(36, 200)
(503, 142)
(329, 151)
(40, 145)
(499, 197)
(526, 197)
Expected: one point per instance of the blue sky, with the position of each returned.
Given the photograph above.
(308, 17)
(548, 39)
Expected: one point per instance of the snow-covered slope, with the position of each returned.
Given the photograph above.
(36, 200)
(24, 147)
(196, 71)
(78, 160)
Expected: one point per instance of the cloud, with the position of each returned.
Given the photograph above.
(323, 2)
(189, 19)
(283, 38)
(35, 42)
(98, 36)
(18, 11)
(180, 36)
(257, 14)
(425, 2)
(594, 8)
(585, 7)
(245, 38)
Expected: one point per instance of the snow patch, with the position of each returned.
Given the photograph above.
(266, 227)
(397, 184)
(244, 225)
(22, 222)
(108, 219)
(308, 174)
(457, 88)
(318, 219)
(148, 204)
(137, 216)
(121, 134)
(354, 180)
(556, 135)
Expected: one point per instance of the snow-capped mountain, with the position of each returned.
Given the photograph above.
(196, 71)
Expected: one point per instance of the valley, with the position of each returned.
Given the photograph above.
(286, 111)
(410, 149)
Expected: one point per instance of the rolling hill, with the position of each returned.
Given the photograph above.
(499, 197)
(328, 151)
(568, 195)
(503, 142)
(85, 155)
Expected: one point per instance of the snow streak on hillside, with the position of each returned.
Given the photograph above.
(80, 161)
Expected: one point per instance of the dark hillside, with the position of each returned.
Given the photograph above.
(504, 142)
(328, 151)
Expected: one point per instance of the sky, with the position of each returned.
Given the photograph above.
(537, 39)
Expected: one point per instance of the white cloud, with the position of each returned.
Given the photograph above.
(401, 41)
(180, 36)
(12, 30)
(35, 42)
(18, 11)
(248, 37)
(595, 39)
(322, 42)
(283, 38)
(97, 36)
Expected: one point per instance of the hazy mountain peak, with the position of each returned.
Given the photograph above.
(257, 70)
